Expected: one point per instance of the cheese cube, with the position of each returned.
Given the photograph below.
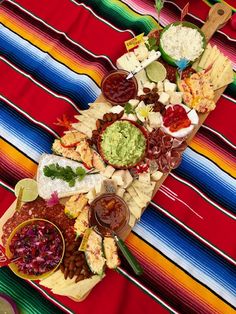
(108, 172)
(141, 52)
(157, 175)
(128, 62)
(132, 220)
(144, 177)
(160, 86)
(176, 98)
(119, 177)
(169, 87)
(141, 78)
(154, 119)
(164, 98)
(133, 102)
(99, 188)
(110, 186)
(128, 179)
(116, 109)
(91, 195)
(149, 85)
(120, 192)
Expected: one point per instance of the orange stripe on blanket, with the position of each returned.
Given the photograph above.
(177, 276)
(17, 159)
(53, 47)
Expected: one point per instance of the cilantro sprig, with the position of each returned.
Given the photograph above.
(54, 171)
(151, 44)
(128, 108)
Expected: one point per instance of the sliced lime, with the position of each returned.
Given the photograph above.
(30, 189)
(156, 72)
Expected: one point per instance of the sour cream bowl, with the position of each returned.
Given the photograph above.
(181, 40)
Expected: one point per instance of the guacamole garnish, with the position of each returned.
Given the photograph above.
(123, 144)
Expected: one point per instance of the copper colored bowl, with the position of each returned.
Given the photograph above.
(137, 162)
(115, 83)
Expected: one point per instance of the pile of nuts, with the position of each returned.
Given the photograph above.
(74, 263)
(100, 123)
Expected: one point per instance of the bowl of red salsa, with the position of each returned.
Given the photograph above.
(116, 89)
(38, 246)
(109, 213)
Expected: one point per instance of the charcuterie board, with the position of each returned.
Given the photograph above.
(218, 16)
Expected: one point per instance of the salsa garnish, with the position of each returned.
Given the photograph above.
(39, 247)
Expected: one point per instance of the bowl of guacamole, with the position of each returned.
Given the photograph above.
(123, 144)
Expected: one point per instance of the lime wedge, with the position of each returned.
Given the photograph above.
(30, 189)
(156, 72)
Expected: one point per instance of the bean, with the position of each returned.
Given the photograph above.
(79, 263)
(78, 270)
(71, 265)
(71, 274)
(66, 272)
(79, 278)
(70, 247)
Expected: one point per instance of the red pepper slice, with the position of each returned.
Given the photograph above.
(70, 145)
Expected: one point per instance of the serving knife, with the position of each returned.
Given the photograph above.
(144, 64)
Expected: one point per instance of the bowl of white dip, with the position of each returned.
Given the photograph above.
(181, 40)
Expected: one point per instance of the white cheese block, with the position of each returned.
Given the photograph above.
(46, 186)
(164, 98)
(160, 86)
(108, 171)
(128, 62)
(176, 98)
(156, 176)
(141, 78)
(128, 179)
(132, 220)
(149, 85)
(154, 119)
(116, 109)
(146, 188)
(119, 177)
(141, 52)
(169, 87)
(120, 192)
(144, 177)
(134, 102)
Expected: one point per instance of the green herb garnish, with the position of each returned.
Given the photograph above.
(54, 171)
(151, 44)
(128, 108)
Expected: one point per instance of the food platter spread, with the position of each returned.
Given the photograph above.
(105, 169)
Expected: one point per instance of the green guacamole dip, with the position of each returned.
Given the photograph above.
(123, 144)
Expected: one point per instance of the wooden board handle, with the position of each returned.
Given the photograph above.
(218, 15)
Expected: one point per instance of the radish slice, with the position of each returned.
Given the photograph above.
(7, 305)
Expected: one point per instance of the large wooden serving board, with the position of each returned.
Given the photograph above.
(219, 14)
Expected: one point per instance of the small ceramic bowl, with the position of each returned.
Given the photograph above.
(166, 56)
(14, 266)
(116, 89)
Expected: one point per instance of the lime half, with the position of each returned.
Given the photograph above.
(30, 189)
(156, 72)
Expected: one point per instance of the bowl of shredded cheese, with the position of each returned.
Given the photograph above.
(181, 40)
